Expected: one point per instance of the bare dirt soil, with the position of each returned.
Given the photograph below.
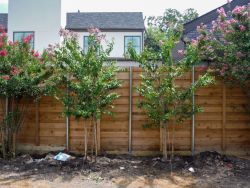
(205, 170)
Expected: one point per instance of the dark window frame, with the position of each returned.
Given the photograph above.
(140, 37)
(31, 32)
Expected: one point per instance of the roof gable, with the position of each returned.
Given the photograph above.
(105, 20)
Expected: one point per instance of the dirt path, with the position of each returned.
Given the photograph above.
(206, 170)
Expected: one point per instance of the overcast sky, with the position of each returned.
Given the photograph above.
(148, 7)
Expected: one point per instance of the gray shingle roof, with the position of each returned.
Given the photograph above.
(105, 20)
(4, 20)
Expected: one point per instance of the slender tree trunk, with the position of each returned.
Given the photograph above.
(164, 142)
(3, 142)
(14, 145)
(85, 140)
(173, 140)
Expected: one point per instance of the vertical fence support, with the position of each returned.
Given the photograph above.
(130, 109)
(193, 117)
(37, 133)
(161, 137)
(223, 117)
(67, 123)
(67, 132)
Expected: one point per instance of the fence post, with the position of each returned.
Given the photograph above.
(37, 133)
(130, 109)
(193, 116)
(67, 118)
(223, 117)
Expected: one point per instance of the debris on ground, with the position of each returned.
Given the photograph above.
(62, 157)
(191, 169)
(207, 168)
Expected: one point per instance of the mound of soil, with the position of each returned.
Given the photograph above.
(207, 169)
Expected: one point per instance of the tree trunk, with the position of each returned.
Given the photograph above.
(85, 140)
(164, 141)
(14, 145)
(173, 140)
(3, 143)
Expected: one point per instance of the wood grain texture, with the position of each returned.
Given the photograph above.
(223, 125)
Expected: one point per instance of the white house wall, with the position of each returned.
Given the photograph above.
(41, 16)
(118, 37)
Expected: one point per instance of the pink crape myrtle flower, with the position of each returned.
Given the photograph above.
(3, 53)
(36, 54)
(242, 28)
(14, 70)
(93, 30)
(67, 33)
(27, 39)
(222, 12)
(6, 77)
(238, 10)
(194, 42)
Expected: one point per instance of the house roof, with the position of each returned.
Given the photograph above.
(105, 20)
(4, 20)
(212, 15)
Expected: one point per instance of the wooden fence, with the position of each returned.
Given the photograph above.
(224, 125)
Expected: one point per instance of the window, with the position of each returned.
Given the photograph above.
(17, 36)
(85, 44)
(135, 41)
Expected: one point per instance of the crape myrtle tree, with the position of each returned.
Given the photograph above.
(226, 47)
(23, 76)
(90, 79)
(162, 99)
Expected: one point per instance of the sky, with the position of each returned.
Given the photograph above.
(148, 7)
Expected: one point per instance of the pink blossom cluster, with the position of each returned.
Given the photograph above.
(238, 10)
(3, 38)
(222, 12)
(97, 34)
(3, 53)
(68, 34)
(93, 30)
(242, 28)
(14, 70)
(6, 77)
(27, 39)
(223, 69)
(36, 54)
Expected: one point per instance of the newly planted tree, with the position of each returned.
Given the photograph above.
(162, 99)
(90, 79)
(23, 75)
